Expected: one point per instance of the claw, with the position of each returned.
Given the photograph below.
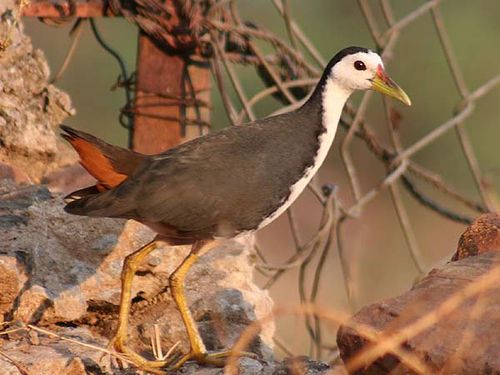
(130, 356)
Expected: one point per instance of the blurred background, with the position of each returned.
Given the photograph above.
(377, 258)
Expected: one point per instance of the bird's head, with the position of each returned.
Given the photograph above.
(356, 68)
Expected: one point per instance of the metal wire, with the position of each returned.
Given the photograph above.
(396, 158)
(128, 121)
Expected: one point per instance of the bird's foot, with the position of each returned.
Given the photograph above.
(125, 354)
(217, 359)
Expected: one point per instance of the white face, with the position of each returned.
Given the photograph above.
(355, 72)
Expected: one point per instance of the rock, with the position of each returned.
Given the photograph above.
(55, 356)
(301, 365)
(13, 197)
(464, 341)
(65, 269)
(11, 281)
(68, 179)
(214, 314)
(52, 355)
(337, 370)
(30, 107)
(33, 303)
(289, 366)
(481, 236)
(250, 366)
(14, 173)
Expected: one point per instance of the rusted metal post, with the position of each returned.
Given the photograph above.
(49, 9)
(159, 82)
(158, 100)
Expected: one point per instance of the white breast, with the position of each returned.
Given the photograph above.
(334, 98)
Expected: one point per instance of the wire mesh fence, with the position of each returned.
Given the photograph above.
(401, 171)
(288, 68)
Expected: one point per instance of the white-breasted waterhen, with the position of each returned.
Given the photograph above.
(219, 185)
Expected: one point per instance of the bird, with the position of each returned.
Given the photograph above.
(220, 185)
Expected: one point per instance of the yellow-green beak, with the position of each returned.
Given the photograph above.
(385, 85)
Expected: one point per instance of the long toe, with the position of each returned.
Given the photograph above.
(153, 367)
(217, 359)
(125, 354)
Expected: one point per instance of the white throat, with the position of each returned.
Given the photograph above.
(333, 100)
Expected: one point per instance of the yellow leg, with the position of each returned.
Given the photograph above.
(198, 351)
(130, 266)
(177, 289)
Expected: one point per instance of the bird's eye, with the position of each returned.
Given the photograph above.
(359, 65)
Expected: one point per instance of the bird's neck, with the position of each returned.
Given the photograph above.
(333, 99)
(325, 105)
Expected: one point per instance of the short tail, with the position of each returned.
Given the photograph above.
(109, 164)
